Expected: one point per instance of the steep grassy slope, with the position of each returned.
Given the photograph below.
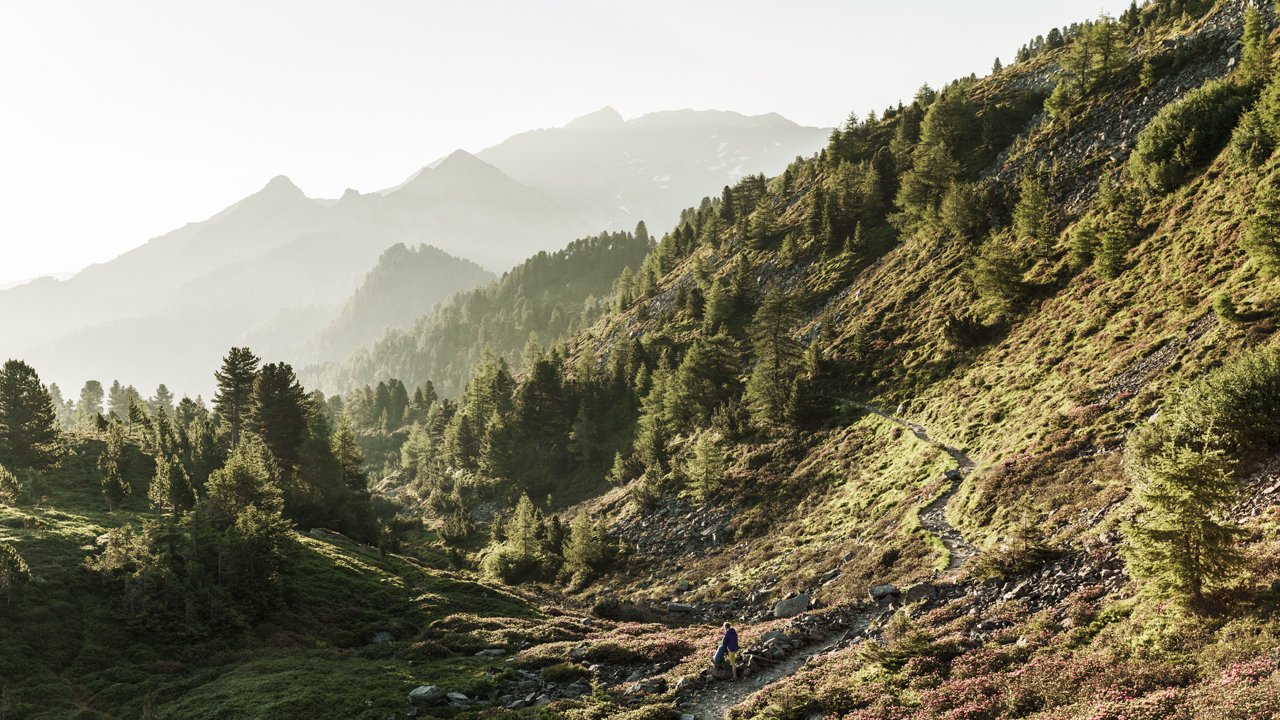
(72, 645)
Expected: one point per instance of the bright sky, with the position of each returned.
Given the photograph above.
(123, 120)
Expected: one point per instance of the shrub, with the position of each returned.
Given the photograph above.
(10, 489)
(1187, 133)
(564, 672)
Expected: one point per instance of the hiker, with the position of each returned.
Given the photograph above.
(728, 650)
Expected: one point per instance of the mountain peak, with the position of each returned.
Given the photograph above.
(281, 185)
(459, 159)
(605, 117)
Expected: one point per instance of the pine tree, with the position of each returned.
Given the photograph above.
(115, 488)
(170, 489)
(29, 436)
(706, 378)
(235, 388)
(277, 412)
(118, 401)
(245, 480)
(161, 401)
(350, 459)
(1182, 541)
(62, 409)
(89, 406)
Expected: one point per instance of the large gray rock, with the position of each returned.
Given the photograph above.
(791, 606)
(772, 635)
(677, 607)
(919, 592)
(881, 593)
(426, 695)
(380, 637)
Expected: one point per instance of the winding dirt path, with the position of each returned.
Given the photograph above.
(716, 700)
(933, 517)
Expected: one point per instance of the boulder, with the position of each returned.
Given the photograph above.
(920, 592)
(458, 698)
(491, 652)
(426, 695)
(683, 586)
(677, 607)
(772, 635)
(882, 593)
(791, 606)
(380, 637)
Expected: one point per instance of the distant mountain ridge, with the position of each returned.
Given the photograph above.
(276, 267)
(612, 172)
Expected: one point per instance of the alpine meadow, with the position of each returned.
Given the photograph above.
(967, 408)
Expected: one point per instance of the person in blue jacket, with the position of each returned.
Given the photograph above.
(728, 650)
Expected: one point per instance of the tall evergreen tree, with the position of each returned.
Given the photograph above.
(161, 401)
(1255, 60)
(89, 406)
(278, 409)
(29, 435)
(235, 388)
(1183, 542)
(777, 354)
(1032, 216)
(1262, 237)
(112, 463)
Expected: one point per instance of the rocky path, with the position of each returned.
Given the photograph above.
(933, 517)
(715, 701)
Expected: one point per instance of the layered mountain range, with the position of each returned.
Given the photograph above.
(277, 268)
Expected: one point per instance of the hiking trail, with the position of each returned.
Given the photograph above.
(715, 700)
(933, 517)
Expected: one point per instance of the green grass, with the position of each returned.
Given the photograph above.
(68, 648)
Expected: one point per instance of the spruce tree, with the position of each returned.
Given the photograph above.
(29, 436)
(1182, 542)
(235, 387)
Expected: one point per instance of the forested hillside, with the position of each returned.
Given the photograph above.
(405, 285)
(972, 414)
(544, 298)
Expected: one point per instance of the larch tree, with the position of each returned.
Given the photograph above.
(777, 355)
(1183, 542)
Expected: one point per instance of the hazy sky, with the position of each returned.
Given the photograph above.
(123, 120)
